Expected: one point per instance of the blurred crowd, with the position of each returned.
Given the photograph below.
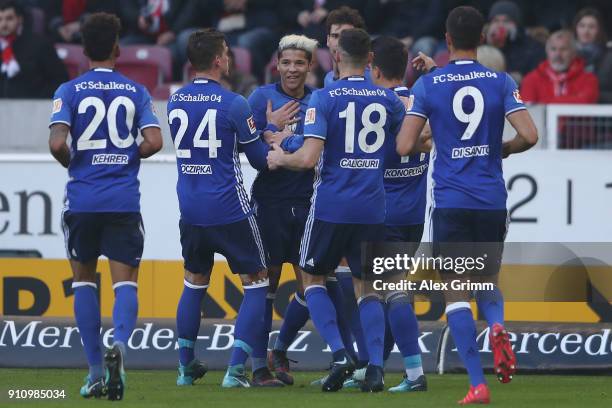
(557, 50)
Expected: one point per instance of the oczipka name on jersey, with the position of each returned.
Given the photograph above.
(356, 92)
(107, 86)
(108, 158)
(470, 151)
(359, 163)
(198, 169)
(408, 172)
(460, 77)
(181, 97)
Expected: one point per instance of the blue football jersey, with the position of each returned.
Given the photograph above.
(208, 124)
(466, 104)
(356, 119)
(329, 77)
(405, 182)
(104, 110)
(280, 187)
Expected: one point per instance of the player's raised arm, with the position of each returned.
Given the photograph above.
(248, 135)
(407, 140)
(520, 119)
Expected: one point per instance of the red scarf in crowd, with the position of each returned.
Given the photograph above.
(10, 66)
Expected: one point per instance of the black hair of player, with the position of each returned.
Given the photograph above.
(355, 42)
(12, 4)
(203, 47)
(390, 56)
(100, 33)
(344, 15)
(464, 25)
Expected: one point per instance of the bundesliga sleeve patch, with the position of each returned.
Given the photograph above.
(408, 102)
(517, 96)
(57, 105)
(311, 114)
(251, 123)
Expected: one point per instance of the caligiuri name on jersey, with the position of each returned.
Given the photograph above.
(196, 169)
(359, 163)
(356, 92)
(463, 77)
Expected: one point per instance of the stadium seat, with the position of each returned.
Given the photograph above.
(72, 55)
(148, 65)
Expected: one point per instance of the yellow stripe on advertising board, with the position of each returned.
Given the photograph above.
(41, 287)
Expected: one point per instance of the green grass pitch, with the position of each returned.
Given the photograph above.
(157, 389)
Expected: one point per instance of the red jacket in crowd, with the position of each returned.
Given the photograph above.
(543, 85)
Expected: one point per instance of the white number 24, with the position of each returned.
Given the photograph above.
(209, 120)
(472, 119)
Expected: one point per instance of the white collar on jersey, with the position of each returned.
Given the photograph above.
(356, 78)
(464, 62)
(200, 81)
(103, 70)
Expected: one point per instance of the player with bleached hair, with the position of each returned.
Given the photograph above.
(281, 200)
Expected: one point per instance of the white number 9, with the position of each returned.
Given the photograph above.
(472, 119)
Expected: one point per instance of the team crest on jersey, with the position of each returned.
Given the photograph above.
(408, 102)
(517, 96)
(57, 105)
(251, 123)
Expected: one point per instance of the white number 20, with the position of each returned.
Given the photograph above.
(472, 119)
(85, 142)
(368, 127)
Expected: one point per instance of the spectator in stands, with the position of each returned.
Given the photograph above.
(562, 78)
(30, 65)
(505, 32)
(491, 58)
(308, 16)
(65, 16)
(591, 39)
(251, 24)
(237, 81)
(165, 23)
(417, 23)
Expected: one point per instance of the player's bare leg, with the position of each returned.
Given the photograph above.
(87, 316)
(188, 325)
(277, 358)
